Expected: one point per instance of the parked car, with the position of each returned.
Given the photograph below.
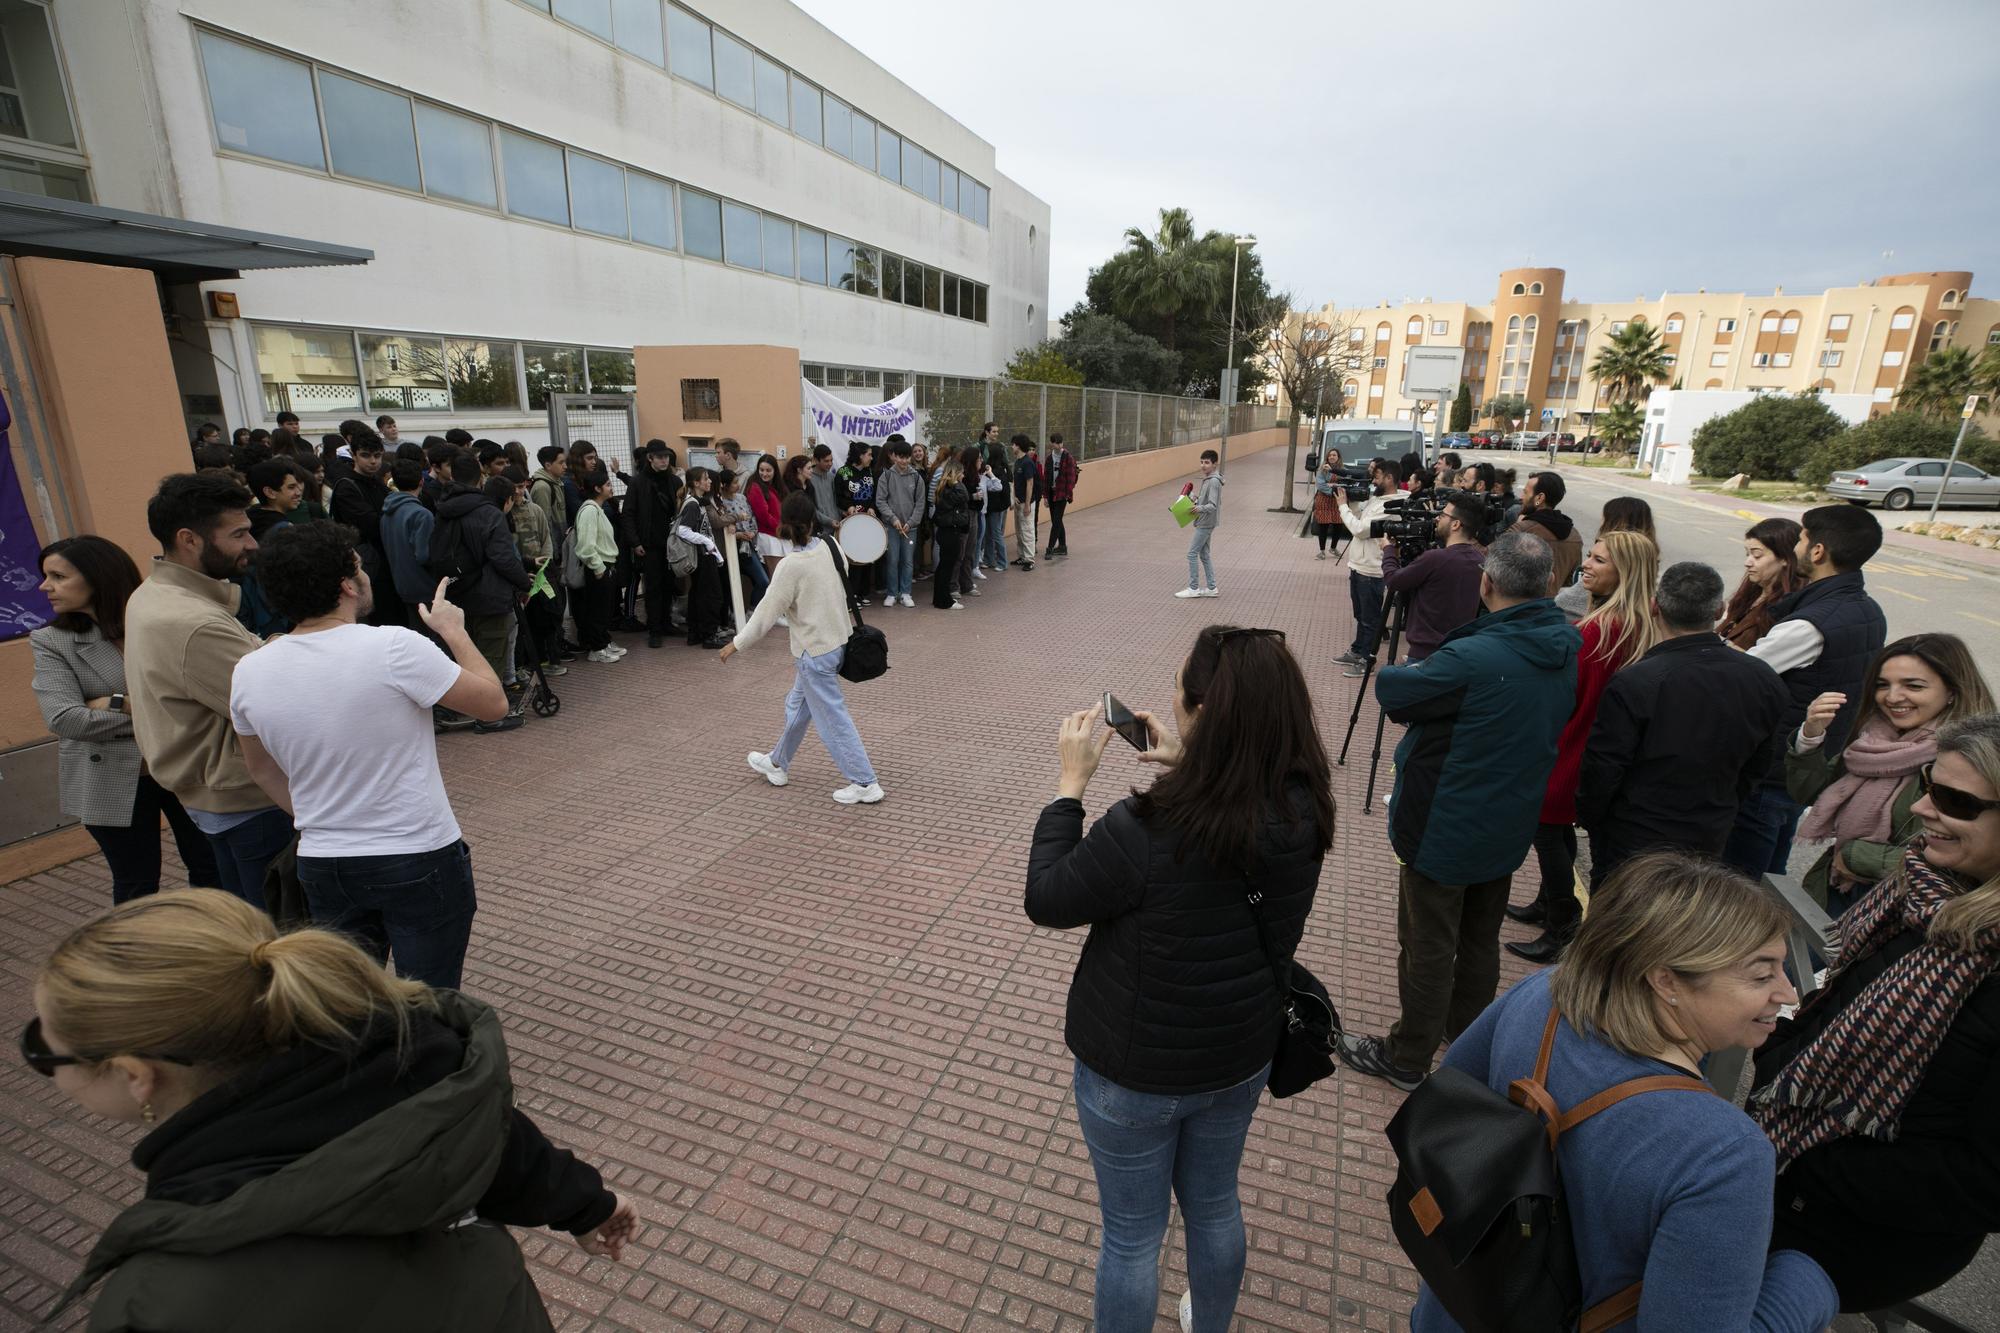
(1523, 440)
(1458, 439)
(1897, 483)
(1591, 444)
(1566, 442)
(1485, 439)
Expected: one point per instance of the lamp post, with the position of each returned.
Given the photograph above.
(1228, 390)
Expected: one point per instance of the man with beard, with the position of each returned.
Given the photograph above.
(182, 644)
(1540, 518)
(380, 856)
(357, 501)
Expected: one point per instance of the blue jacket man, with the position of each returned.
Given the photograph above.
(1483, 715)
(406, 545)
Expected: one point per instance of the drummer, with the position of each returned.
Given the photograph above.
(854, 493)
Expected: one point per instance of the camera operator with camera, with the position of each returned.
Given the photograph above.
(1364, 559)
(1441, 586)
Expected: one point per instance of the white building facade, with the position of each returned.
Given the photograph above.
(545, 185)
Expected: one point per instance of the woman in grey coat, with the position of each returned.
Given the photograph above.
(80, 685)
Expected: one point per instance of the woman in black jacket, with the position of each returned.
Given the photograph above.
(1882, 1095)
(1173, 1014)
(955, 522)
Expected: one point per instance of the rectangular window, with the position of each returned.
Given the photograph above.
(457, 155)
(1781, 359)
(370, 132)
(979, 302)
(593, 16)
(967, 299)
(701, 400)
(33, 104)
(597, 195)
(777, 246)
(1672, 326)
(1440, 328)
(929, 165)
(1883, 393)
(978, 213)
(1725, 326)
(934, 282)
(948, 188)
(888, 153)
(773, 97)
(1892, 358)
(839, 126)
(863, 152)
(651, 204)
(735, 77)
(913, 165)
(867, 270)
(1718, 358)
(404, 373)
(308, 370)
(913, 282)
(1761, 359)
(1374, 391)
(1357, 335)
(611, 372)
(262, 103)
(687, 47)
(1789, 324)
(742, 236)
(533, 170)
(950, 294)
(701, 224)
(1839, 323)
(840, 263)
(1993, 336)
(1768, 324)
(1617, 327)
(43, 178)
(483, 374)
(1902, 319)
(892, 277)
(636, 24)
(805, 110)
(1829, 358)
(1381, 362)
(812, 256)
(551, 370)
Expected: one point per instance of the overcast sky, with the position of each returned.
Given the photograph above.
(1417, 148)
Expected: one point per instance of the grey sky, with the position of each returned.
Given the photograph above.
(1416, 149)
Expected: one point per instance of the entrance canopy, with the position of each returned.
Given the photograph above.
(180, 251)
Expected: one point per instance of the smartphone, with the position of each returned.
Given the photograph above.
(1120, 720)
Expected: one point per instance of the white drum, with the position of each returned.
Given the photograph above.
(863, 539)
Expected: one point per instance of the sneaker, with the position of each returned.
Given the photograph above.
(602, 655)
(1349, 658)
(774, 775)
(907, 601)
(1356, 671)
(979, 571)
(861, 601)
(718, 640)
(1028, 567)
(1320, 556)
(443, 719)
(1370, 1055)
(1187, 1312)
(616, 650)
(654, 640)
(554, 669)
(856, 794)
(956, 605)
(1188, 592)
(974, 591)
(1208, 592)
(507, 723)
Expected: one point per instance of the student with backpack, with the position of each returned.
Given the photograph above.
(473, 546)
(1666, 1187)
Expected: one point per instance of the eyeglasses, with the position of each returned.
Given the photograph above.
(36, 1054)
(1952, 801)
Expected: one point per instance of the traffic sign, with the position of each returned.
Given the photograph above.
(1971, 406)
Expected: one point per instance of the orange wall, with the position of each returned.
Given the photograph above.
(760, 395)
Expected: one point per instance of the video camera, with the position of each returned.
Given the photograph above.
(1412, 522)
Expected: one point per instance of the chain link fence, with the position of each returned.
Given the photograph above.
(1096, 423)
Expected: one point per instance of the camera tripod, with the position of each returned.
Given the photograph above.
(1395, 614)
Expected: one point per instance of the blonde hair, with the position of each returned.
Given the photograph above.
(1961, 923)
(951, 472)
(1630, 627)
(203, 976)
(1665, 909)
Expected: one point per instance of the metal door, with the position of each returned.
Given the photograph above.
(608, 420)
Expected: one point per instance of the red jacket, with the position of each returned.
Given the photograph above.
(1062, 477)
(1593, 674)
(765, 507)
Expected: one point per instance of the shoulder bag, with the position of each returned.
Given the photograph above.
(867, 654)
(1305, 1045)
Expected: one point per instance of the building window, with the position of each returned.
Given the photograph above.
(1829, 358)
(482, 373)
(1414, 331)
(838, 127)
(742, 236)
(551, 370)
(611, 372)
(1781, 359)
(701, 400)
(774, 100)
(597, 195)
(1618, 327)
(593, 16)
(1839, 323)
(262, 103)
(687, 44)
(457, 154)
(888, 154)
(533, 171)
(370, 132)
(778, 246)
(1535, 289)
(1902, 319)
(1357, 336)
(701, 224)
(403, 373)
(1940, 335)
(812, 256)
(734, 76)
(806, 111)
(1673, 325)
(948, 195)
(1381, 333)
(650, 202)
(1761, 359)
(1892, 357)
(1520, 289)
(43, 178)
(1381, 362)
(892, 277)
(636, 28)
(867, 270)
(1883, 393)
(1993, 336)
(1374, 391)
(33, 102)
(1718, 358)
(913, 283)
(863, 154)
(1440, 328)
(1725, 326)
(1950, 296)
(308, 370)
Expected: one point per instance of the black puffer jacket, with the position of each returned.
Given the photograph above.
(1174, 992)
(476, 523)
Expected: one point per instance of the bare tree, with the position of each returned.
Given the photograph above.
(1306, 354)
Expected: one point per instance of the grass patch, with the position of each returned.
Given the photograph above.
(1772, 491)
(1622, 462)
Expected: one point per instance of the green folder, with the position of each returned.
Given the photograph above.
(1182, 509)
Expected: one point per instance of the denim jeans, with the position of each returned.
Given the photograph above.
(1761, 842)
(1198, 550)
(416, 905)
(133, 852)
(1366, 592)
(243, 853)
(993, 541)
(816, 698)
(1147, 1149)
(900, 570)
(756, 579)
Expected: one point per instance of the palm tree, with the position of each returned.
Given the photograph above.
(1986, 375)
(1170, 270)
(1940, 383)
(1632, 362)
(1621, 426)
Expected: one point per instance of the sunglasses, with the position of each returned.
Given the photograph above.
(36, 1054)
(1953, 801)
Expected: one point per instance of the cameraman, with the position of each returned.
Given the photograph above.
(1447, 575)
(1364, 561)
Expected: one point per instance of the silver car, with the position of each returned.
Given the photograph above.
(1898, 483)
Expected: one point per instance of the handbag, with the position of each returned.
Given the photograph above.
(867, 654)
(1305, 1045)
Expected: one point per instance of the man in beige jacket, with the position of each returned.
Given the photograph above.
(182, 644)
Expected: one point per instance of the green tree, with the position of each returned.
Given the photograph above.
(1507, 407)
(1131, 287)
(1896, 435)
(1461, 408)
(1171, 270)
(1111, 356)
(1632, 362)
(1938, 386)
(1986, 375)
(1042, 364)
(1769, 438)
(1304, 352)
(1621, 426)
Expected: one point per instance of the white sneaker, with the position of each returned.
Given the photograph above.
(615, 650)
(1187, 1312)
(1206, 592)
(978, 572)
(856, 794)
(601, 655)
(1320, 556)
(907, 601)
(956, 606)
(1188, 592)
(774, 775)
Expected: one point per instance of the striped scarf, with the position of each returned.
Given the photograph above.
(1857, 1075)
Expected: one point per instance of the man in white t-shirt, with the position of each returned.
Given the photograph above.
(335, 723)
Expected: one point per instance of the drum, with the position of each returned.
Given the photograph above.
(862, 538)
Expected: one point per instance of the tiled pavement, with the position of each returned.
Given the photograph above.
(821, 1046)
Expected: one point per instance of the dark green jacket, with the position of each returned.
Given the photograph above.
(395, 1222)
(1809, 774)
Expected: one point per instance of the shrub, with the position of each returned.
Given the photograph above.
(1902, 434)
(1767, 438)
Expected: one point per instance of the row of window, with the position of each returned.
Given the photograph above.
(272, 106)
(327, 371)
(692, 48)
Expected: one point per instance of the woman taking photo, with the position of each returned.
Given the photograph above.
(955, 523)
(1883, 1093)
(1679, 958)
(1770, 572)
(1863, 795)
(1326, 505)
(326, 1145)
(1619, 573)
(1173, 1014)
(80, 684)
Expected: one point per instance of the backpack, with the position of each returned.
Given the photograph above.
(1478, 1199)
(449, 558)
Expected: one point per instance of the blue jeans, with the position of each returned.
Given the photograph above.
(1147, 1149)
(417, 905)
(756, 579)
(1366, 592)
(993, 541)
(816, 698)
(1198, 550)
(1761, 841)
(902, 551)
(245, 852)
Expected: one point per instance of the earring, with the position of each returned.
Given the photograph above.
(146, 1112)
(1673, 999)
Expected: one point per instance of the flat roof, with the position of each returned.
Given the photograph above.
(34, 224)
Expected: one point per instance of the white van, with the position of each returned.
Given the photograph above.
(1359, 440)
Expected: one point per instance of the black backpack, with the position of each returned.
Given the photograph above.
(1478, 1199)
(449, 558)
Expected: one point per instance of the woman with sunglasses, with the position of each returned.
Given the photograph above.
(1196, 891)
(324, 1144)
(1862, 795)
(1883, 1094)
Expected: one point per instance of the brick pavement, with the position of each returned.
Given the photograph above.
(821, 1047)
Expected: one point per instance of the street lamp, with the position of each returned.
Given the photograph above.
(1229, 364)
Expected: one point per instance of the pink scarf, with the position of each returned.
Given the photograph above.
(1879, 760)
